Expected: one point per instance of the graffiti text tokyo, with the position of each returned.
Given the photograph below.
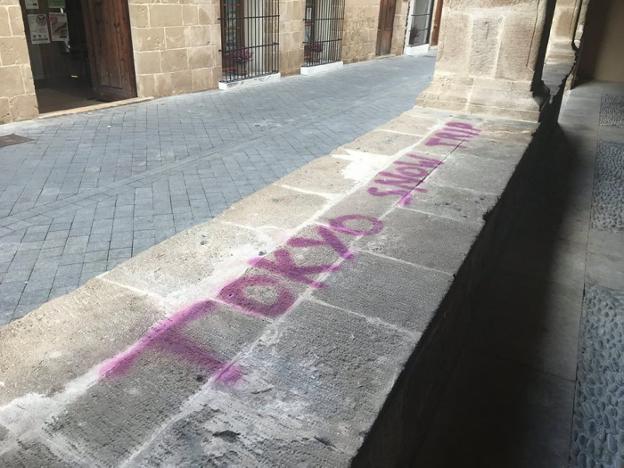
(282, 268)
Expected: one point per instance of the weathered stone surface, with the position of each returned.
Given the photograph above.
(324, 176)
(474, 173)
(31, 454)
(448, 202)
(380, 142)
(193, 264)
(66, 337)
(390, 291)
(437, 243)
(275, 207)
(111, 419)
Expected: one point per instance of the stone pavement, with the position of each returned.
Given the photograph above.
(93, 190)
(541, 381)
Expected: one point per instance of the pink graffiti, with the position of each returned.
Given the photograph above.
(407, 177)
(453, 134)
(167, 336)
(341, 224)
(284, 264)
(235, 293)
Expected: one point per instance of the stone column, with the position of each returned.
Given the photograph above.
(490, 58)
(565, 20)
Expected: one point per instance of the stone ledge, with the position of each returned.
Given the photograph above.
(298, 326)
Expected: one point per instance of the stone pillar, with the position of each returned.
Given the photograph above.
(565, 20)
(490, 58)
(17, 90)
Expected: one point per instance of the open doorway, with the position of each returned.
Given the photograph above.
(80, 52)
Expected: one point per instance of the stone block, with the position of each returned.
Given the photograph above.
(387, 290)
(68, 336)
(327, 372)
(11, 79)
(111, 419)
(437, 243)
(275, 207)
(162, 84)
(13, 51)
(165, 15)
(5, 110)
(453, 55)
(5, 25)
(198, 36)
(181, 82)
(147, 62)
(145, 85)
(23, 107)
(148, 39)
(193, 264)
(411, 124)
(175, 37)
(139, 15)
(190, 15)
(484, 40)
(201, 57)
(465, 206)
(474, 173)
(174, 60)
(516, 57)
(381, 142)
(16, 21)
(203, 78)
(324, 176)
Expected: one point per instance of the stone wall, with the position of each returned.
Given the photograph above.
(361, 21)
(17, 90)
(291, 36)
(176, 45)
(360, 30)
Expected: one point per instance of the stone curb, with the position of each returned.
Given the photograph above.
(276, 333)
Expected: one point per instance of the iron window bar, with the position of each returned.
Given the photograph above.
(323, 31)
(249, 38)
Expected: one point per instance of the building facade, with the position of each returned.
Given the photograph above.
(60, 54)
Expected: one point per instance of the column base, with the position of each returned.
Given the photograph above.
(500, 98)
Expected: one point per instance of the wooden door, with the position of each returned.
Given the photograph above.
(386, 25)
(107, 25)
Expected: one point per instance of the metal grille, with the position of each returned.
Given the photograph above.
(421, 22)
(249, 38)
(323, 31)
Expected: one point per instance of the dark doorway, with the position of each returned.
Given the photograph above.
(386, 26)
(80, 52)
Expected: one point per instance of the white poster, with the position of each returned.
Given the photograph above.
(58, 26)
(32, 4)
(38, 25)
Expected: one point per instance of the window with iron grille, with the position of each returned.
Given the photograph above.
(323, 31)
(421, 22)
(249, 38)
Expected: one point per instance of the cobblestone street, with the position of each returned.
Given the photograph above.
(92, 190)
